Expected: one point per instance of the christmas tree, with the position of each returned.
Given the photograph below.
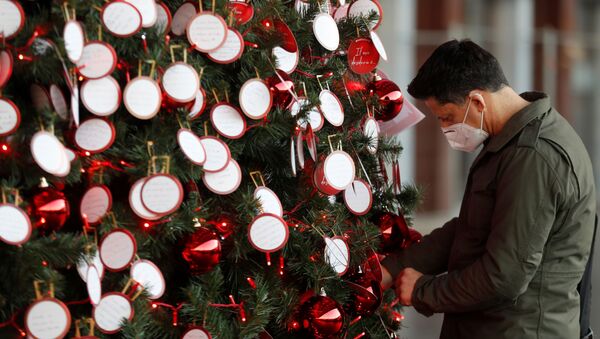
(197, 169)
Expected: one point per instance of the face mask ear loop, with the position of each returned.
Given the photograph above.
(482, 111)
(467, 112)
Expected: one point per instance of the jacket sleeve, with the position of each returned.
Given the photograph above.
(429, 256)
(527, 198)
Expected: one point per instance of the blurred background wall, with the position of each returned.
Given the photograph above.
(545, 45)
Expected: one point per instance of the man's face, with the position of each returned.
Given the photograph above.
(449, 114)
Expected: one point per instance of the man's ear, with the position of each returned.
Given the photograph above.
(477, 100)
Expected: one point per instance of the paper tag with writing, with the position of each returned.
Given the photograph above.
(268, 233)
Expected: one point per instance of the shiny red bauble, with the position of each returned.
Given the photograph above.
(202, 251)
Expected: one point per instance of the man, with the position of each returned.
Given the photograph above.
(518, 249)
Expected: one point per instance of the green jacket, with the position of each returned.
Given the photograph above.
(518, 249)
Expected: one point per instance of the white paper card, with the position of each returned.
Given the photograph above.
(48, 318)
(9, 117)
(339, 170)
(93, 285)
(101, 96)
(162, 194)
(326, 31)
(117, 250)
(181, 82)
(121, 18)
(147, 274)
(182, 17)
(84, 263)
(15, 226)
(337, 254)
(255, 99)
(95, 135)
(268, 233)
(196, 333)
(358, 197)
(11, 18)
(226, 180)
(142, 97)
(74, 40)
(191, 146)
(331, 108)
(147, 9)
(217, 154)
(231, 50)
(49, 153)
(285, 60)
(207, 32)
(268, 200)
(111, 311)
(228, 121)
(135, 202)
(95, 203)
(98, 59)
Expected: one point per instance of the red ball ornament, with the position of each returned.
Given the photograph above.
(390, 98)
(362, 56)
(281, 87)
(323, 317)
(50, 208)
(202, 251)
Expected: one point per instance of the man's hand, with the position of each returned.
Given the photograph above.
(405, 284)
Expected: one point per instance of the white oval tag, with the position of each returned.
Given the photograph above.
(96, 202)
(101, 96)
(98, 59)
(181, 82)
(331, 107)
(228, 121)
(10, 117)
(149, 275)
(110, 312)
(142, 97)
(337, 254)
(255, 98)
(191, 146)
(117, 250)
(95, 135)
(147, 9)
(121, 18)
(225, 181)
(231, 50)
(48, 318)
(135, 202)
(358, 197)
(339, 170)
(184, 14)
(217, 154)
(269, 202)
(74, 40)
(15, 225)
(207, 32)
(326, 31)
(268, 233)
(162, 194)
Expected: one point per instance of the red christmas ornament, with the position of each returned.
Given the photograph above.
(390, 98)
(281, 87)
(323, 317)
(362, 56)
(202, 251)
(395, 232)
(367, 299)
(50, 208)
(242, 11)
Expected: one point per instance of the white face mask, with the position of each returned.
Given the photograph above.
(464, 137)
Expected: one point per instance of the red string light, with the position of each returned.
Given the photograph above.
(251, 282)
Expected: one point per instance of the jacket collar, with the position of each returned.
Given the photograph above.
(540, 104)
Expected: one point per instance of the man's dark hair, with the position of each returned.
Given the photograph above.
(454, 69)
